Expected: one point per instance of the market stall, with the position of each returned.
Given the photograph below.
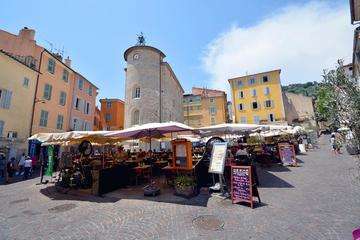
(97, 161)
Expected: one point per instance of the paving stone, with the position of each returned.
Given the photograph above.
(318, 200)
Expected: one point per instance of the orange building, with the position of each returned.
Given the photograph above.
(57, 86)
(205, 107)
(112, 114)
(97, 120)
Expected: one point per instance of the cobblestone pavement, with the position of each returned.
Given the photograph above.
(318, 200)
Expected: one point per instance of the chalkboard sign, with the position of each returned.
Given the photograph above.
(218, 158)
(241, 185)
(287, 154)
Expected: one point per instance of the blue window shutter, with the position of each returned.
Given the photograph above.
(2, 123)
(8, 95)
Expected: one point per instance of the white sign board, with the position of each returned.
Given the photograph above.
(218, 155)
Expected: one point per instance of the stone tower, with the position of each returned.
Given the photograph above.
(152, 91)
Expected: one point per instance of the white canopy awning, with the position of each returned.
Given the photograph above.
(150, 130)
(228, 128)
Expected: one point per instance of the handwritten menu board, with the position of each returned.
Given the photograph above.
(241, 184)
(287, 153)
(218, 158)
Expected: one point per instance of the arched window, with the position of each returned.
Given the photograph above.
(135, 117)
(136, 92)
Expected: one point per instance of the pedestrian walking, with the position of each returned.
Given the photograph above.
(10, 168)
(21, 164)
(28, 166)
(2, 164)
(333, 143)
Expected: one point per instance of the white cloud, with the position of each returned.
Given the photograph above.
(302, 40)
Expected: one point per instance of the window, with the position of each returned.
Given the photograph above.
(47, 91)
(87, 111)
(26, 82)
(212, 100)
(243, 120)
(267, 91)
(74, 127)
(80, 83)
(212, 121)
(5, 98)
(90, 91)
(62, 100)
(265, 79)
(241, 106)
(240, 83)
(268, 103)
(12, 134)
(86, 126)
(107, 117)
(241, 94)
(255, 105)
(60, 122)
(256, 119)
(253, 92)
(136, 117)
(212, 110)
(136, 93)
(271, 117)
(2, 123)
(44, 118)
(252, 81)
(108, 104)
(79, 104)
(65, 76)
(51, 66)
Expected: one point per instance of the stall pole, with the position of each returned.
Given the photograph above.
(103, 156)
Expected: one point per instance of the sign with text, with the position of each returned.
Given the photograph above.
(218, 155)
(287, 153)
(241, 185)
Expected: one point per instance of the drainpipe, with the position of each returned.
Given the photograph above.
(160, 115)
(36, 89)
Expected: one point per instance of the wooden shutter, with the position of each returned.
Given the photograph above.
(2, 123)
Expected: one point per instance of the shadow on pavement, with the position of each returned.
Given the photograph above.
(166, 196)
(19, 178)
(54, 194)
(276, 168)
(269, 180)
(133, 193)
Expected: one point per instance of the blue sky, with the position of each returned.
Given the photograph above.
(194, 35)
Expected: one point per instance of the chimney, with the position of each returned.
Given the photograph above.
(68, 61)
(27, 33)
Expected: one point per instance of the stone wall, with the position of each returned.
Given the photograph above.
(144, 65)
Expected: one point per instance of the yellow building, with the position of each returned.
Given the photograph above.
(204, 107)
(17, 91)
(257, 98)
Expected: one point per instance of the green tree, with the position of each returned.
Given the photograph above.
(338, 100)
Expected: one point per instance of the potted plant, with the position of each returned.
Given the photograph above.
(184, 186)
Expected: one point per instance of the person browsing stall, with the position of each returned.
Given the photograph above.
(242, 151)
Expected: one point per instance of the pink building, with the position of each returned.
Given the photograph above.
(64, 99)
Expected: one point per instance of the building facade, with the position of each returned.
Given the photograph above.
(83, 105)
(205, 107)
(97, 120)
(152, 90)
(299, 109)
(258, 99)
(355, 19)
(112, 114)
(17, 92)
(230, 112)
(56, 89)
